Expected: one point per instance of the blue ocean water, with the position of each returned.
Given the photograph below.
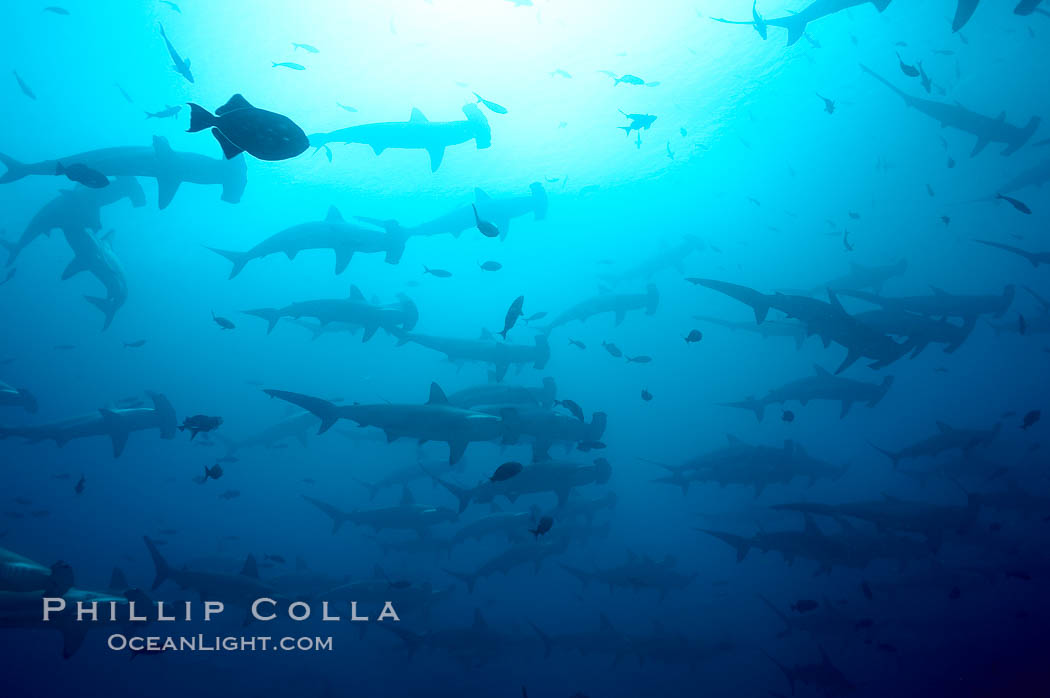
(718, 554)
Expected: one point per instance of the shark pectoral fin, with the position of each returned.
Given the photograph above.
(117, 433)
(73, 635)
(391, 436)
(378, 149)
(228, 148)
(455, 451)
(76, 266)
(500, 371)
(167, 185)
(436, 155)
(342, 260)
(369, 331)
(846, 405)
(980, 145)
(851, 357)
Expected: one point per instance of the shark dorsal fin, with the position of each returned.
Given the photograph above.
(355, 294)
(235, 102)
(480, 196)
(407, 499)
(417, 117)
(161, 146)
(437, 395)
(251, 568)
(333, 215)
(820, 371)
(479, 620)
(944, 428)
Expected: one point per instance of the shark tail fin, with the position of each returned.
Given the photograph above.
(161, 566)
(118, 581)
(1023, 136)
(327, 412)
(396, 236)
(895, 457)
(13, 248)
(887, 383)
(460, 493)
(787, 672)
(15, 170)
(108, 306)
(29, 403)
(468, 578)
(271, 315)
(544, 638)
(238, 259)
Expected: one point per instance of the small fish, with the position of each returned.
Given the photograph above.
(946, 220)
(929, 190)
(82, 174)
(951, 163)
(491, 106)
(212, 473)
(694, 336)
(511, 318)
(589, 446)
(306, 47)
(639, 359)
(506, 471)
(275, 558)
(230, 494)
(23, 86)
(1022, 325)
(572, 407)
(670, 155)
(200, 424)
(179, 64)
(829, 105)
(166, 113)
(628, 80)
(222, 322)
(646, 395)
(439, 273)
(612, 349)
(560, 73)
(484, 227)
(542, 527)
(81, 484)
(536, 316)
(352, 110)
(577, 343)
(909, 70)
(1030, 419)
(804, 606)
(927, 83)
(57, 10)
(134, 345)
(127, 97)
(288, 64)
(788, 416)
(492, 266)
(867, 590)
(682, 132)
(1019, 205)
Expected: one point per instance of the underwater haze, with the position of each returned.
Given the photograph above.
(618, 349)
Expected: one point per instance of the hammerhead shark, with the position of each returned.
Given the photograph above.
(417, 133)
(169, 167)
(986, 129)
(818, 9)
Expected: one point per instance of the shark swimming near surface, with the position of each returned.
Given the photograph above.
(418, 133)
(497, 210)
(354, 310)
(796, 23)
(619, 304)
(486, 349)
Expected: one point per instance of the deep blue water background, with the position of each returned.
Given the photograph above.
(753, 128)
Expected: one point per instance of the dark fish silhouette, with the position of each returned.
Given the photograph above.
(909, 70)
(491, 266)
(1019, 205)
(492, 106)
(439, 273)
(694, 336)
(23, 86)
(506, 471)
(484, 227)
(513, 313)
(1030, 419)
(82, 174)
(239, 127)
(542, 527)
(222, 322)
(612, 349)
